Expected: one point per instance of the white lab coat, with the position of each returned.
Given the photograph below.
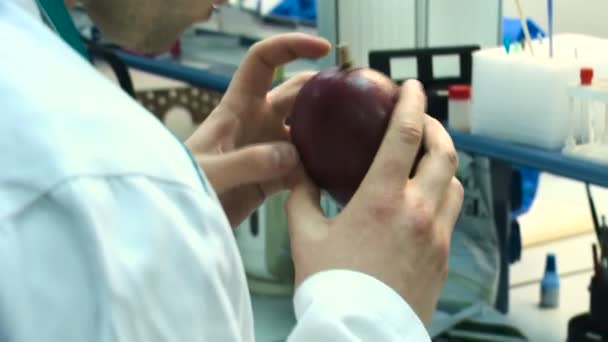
(109, 232)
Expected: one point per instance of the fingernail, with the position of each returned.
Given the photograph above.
(285, 155)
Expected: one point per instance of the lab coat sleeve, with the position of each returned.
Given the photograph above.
(125, 259)
(341, 305)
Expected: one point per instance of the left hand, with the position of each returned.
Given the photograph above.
(243, 146)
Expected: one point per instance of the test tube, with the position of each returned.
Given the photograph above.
(605, 135)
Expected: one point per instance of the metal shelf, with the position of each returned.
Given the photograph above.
(544, 160)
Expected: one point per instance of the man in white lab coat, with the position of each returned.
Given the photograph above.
(110, 231)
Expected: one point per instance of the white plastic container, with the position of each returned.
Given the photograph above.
(459, 108)
(588, 136)
(522, 99)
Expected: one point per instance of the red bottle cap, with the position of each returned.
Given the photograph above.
(586, 76)
(176, 49)
(459, 92)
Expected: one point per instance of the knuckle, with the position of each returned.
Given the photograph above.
(385, 207)
(263, 160)
(259, 52)
(226, 125)
(452, 157)
(449, 155)
(429, 120)
(444, 146)
(409, 131)
(256, 47)
(457, 189)
(422, 218)
(391, 165)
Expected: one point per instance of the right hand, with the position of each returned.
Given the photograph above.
(395, 228)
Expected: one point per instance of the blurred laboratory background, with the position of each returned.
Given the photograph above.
(519, 83)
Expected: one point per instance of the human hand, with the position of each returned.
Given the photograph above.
(395, 228)
(243, 146)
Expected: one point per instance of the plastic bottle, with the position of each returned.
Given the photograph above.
(586, 77)
(459, 108)
(549, 286)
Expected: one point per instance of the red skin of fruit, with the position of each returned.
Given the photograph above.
(337, 125)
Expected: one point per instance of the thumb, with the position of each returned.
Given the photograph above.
(303, 206)
(252, 164)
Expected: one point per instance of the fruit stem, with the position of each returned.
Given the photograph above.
(344, 57)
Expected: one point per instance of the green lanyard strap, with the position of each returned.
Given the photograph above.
(58, 16)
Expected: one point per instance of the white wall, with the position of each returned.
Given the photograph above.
(571, 16)
(267, 5)
(373, 25)
(404, 24)
(463, 22)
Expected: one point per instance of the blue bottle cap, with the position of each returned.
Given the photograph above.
(551, 264)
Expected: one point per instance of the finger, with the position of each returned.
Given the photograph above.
(215, 129)
(273, 187)
(283, 97)
(398, 151)
(239, 203)
(254, 164)
(452, 205)
(255, 74)
(439, 161)
(303, 206)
